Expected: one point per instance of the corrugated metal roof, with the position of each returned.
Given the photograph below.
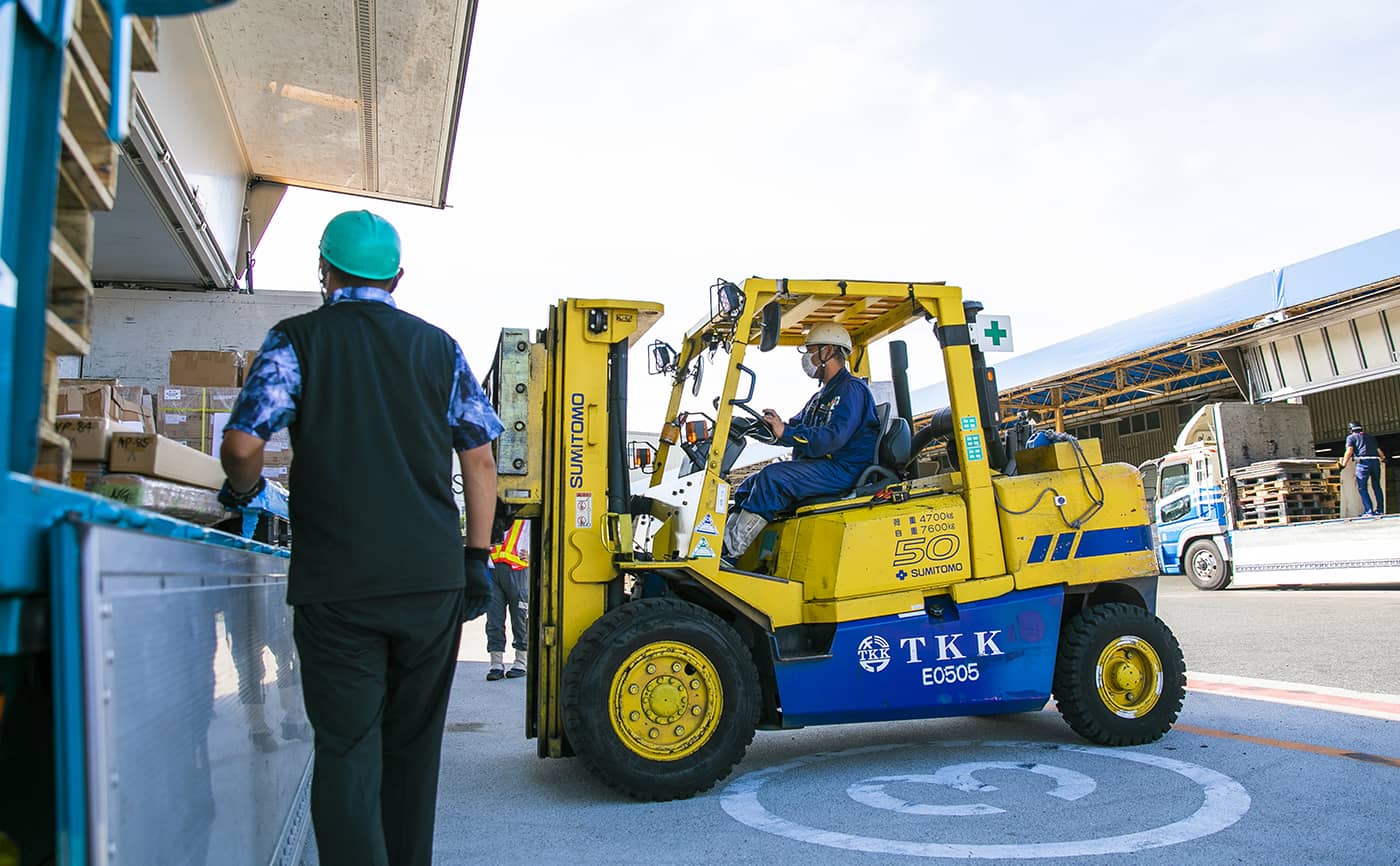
(1341, 270)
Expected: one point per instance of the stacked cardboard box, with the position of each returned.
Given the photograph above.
(210, 369)
(194, 412)
(106, 398)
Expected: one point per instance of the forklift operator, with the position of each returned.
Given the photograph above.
(833, 440)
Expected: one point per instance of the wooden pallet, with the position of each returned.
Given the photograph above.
(1302, 500)
(55, 460)
(1288, 485)
(1282, 520)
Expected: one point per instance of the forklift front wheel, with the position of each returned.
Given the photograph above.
(1120, 678)
(660, 698)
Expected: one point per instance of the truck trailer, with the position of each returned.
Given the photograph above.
(143, 156)
(1297, 535)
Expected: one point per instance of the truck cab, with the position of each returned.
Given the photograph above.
(1189, 504)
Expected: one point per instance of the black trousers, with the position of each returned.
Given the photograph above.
(377, 675)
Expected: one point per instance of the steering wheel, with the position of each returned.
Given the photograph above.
(754, 427)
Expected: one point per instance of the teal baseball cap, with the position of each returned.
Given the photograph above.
(362, 244)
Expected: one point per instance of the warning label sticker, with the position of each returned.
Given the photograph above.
(721, 498)
(583, 510)
(707, 526)
(703, 550)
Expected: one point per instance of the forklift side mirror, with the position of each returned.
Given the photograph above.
(772, 326)
(698, 375)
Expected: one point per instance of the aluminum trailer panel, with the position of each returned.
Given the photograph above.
(1325, 553)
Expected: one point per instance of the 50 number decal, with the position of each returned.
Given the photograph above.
(917, 549)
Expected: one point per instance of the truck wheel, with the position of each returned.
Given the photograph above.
(1120, 678)
(660, 698)
(1205, 567)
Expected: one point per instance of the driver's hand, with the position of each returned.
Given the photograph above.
(774, 422)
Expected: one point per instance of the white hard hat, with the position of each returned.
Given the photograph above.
(828, 334)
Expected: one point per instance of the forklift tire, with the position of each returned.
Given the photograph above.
(1120, 678)
(661, 698)
(1205, 567)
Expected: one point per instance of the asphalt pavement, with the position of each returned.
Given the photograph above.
(1303, 769)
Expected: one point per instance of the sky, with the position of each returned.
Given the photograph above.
(1069, 164)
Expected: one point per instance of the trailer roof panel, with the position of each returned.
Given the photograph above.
(358, 97)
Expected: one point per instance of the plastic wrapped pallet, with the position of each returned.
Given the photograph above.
(181, 501)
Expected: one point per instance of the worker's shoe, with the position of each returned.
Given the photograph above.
(740, 532)
(293, 730)
(517, 667)
(497, 671)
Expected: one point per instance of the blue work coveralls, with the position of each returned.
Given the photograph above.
(833, 440)
(1367, 452)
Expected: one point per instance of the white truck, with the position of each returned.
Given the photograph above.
(1197, 517)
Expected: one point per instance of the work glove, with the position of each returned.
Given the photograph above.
(478, 583)
(235, 500)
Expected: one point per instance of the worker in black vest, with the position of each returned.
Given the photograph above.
(377, 401)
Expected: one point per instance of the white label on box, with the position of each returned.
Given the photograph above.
(172, 394)
(217, 440)
(583, 510)
(172, 418)
(273, 446)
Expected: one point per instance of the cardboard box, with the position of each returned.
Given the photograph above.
(278, 450)
(132, 404)
(195, 416)
(249, 356)
(201, 368)
(90, 436)
(87, 398)
(87, 475)
(159, 457)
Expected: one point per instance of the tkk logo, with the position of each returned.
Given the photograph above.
(874, 653)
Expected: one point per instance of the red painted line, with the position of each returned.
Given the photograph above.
(1345, 703)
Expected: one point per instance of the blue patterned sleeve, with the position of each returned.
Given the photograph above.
(473, 421)
(271, 388)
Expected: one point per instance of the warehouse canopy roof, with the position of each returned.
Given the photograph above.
(1151, 356)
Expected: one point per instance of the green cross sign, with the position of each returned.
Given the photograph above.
(993, 333)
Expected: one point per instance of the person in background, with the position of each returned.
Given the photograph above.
(1364, 448)
(377, 402)
(510, 594)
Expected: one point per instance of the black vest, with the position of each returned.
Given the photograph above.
(371, 508)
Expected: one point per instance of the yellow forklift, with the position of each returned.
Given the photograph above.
(977, 585)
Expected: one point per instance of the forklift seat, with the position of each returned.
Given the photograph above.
(892, 454)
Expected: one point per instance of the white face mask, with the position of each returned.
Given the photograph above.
(809, 365)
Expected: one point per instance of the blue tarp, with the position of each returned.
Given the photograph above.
(1341, 270)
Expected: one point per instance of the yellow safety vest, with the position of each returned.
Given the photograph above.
(507, 551)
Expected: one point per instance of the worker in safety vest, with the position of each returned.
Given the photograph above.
(510, 594)
(377, 402)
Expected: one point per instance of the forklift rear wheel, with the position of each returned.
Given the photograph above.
(660, 698)
(1120, 678)
(1205, 567)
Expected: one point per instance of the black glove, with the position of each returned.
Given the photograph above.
(230, 498)
(478, 584)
